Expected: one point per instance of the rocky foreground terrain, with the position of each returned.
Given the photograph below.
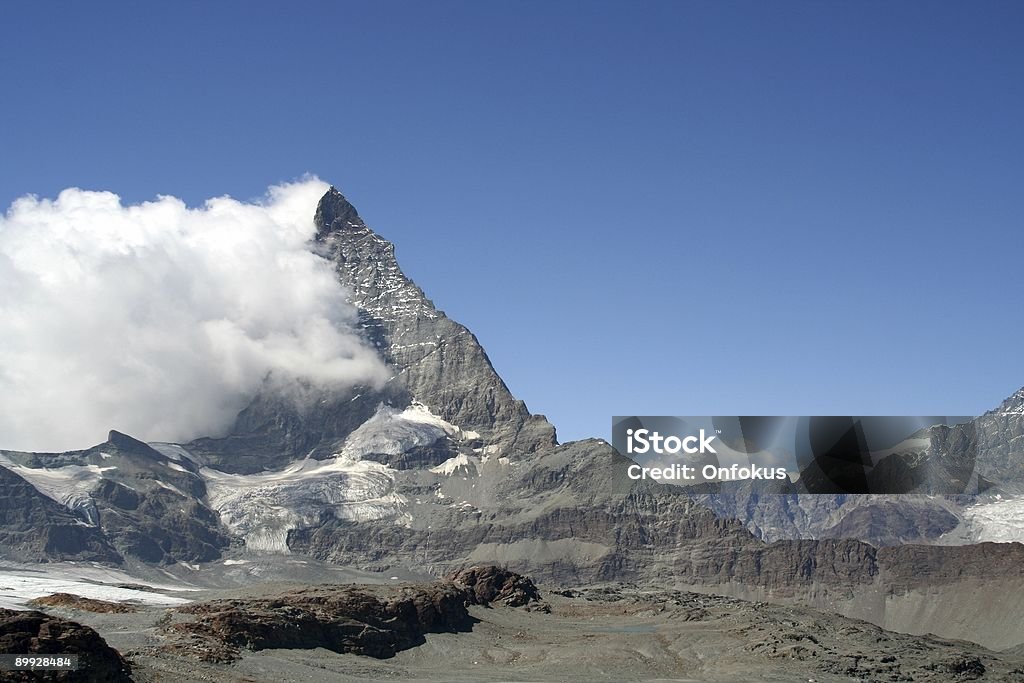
(489, 624)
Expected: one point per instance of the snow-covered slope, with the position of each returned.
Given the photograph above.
(262, 508)
(69, 485)
(1000, 520)
(21, 584)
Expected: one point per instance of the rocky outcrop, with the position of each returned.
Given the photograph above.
(341, 619)
(25, 632)
(929, 566)
(372, 621)
(490, 584)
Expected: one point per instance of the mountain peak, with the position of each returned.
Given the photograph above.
(127, 443)
(1014, 405)
(333, 213)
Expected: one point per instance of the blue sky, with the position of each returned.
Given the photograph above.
(639, 208)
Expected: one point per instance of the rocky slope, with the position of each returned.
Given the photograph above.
(121, 498)
(35, 527)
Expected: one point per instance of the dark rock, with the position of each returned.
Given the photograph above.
(490, 584)
(342, 619)
(25, 632)
(418, 457)
(118, 495)
(334, 212)
(35, 527)
(962, 667)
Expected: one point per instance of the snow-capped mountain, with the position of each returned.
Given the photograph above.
(436, 362)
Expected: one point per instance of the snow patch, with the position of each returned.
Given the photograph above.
(460, 464)
(69, 485)
(1000, 521)
(262, 508)
(172, 451)
(22, 585)
(393, 432)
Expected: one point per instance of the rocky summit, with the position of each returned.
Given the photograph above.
(442, 471)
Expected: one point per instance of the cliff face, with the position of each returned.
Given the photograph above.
(35, 527)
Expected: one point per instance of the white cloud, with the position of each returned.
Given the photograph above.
(160, 320)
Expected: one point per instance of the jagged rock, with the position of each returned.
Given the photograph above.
(437, 362)
(27, 632)
(490, 584)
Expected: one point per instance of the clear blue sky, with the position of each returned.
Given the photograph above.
(639, 208)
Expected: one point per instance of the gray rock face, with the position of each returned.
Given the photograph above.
(273, 431)
(34, 527)
(999, 441)
(121, 498)
(437, 361)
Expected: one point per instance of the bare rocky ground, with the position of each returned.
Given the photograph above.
(495, 628)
